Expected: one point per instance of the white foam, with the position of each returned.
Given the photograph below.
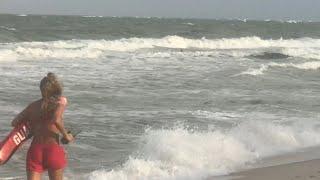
(184, 154)
(92, 16)
(13, 178)
(294, 21)
(89, 16)
(254, 72)
(287, 21)
(189, 23)
(92, 49)
(215, 115)
(311, 65)
(307, 52)
(8, 28)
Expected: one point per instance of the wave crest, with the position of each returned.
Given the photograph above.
(179, 153)
(91, 49)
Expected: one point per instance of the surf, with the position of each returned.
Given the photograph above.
(183, 153)
(174, 45)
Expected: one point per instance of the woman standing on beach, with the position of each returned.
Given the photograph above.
(45, 117)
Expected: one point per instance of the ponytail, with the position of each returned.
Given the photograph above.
(51, 90)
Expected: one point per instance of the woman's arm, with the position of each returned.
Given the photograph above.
(58, 119)
(22, 116)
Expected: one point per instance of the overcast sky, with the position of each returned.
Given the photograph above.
(217, 9)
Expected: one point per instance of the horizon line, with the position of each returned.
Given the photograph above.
(164, 17)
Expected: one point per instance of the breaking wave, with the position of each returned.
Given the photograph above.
(92, 49)
(179, 153)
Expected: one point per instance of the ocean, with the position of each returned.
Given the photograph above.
(165, 99)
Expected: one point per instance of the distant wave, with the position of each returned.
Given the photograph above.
(266, 20)
(311, 65)
(236, 47)
(8, 28)
(296, 21)
(12, 178)
(255, 71)
(288, 21)
(189, 23)
(216, 115)
(237, 19)
(92, 16)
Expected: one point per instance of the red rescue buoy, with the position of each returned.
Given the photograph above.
(13, 141)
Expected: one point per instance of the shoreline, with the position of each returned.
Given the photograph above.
(300, 165)
(293, 171)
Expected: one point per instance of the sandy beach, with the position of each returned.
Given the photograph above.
(293, 171)
(300, 165)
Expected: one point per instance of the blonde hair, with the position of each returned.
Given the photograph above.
(51, 90)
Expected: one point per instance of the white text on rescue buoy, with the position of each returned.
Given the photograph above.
(20, 135)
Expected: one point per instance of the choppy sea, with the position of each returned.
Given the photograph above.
(166, 99)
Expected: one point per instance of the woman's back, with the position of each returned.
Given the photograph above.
(42, 128)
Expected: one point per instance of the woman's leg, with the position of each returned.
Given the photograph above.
(33, 175)
(56, 161)
(56, 174)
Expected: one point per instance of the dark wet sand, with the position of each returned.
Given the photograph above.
(306, 170)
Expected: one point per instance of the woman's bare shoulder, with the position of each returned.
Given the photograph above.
(35, 104)
(62, 100)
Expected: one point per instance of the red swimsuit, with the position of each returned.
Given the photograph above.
(45, 156)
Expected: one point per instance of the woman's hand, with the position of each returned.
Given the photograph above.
(69, 137)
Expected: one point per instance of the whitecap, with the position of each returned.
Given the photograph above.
(189, 23)
(179, 153)
(92, 49)
(8, 28)
(310, 65)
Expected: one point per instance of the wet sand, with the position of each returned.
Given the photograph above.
(302, 165)
(293, 171)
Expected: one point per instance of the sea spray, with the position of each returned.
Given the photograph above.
(181, 153)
